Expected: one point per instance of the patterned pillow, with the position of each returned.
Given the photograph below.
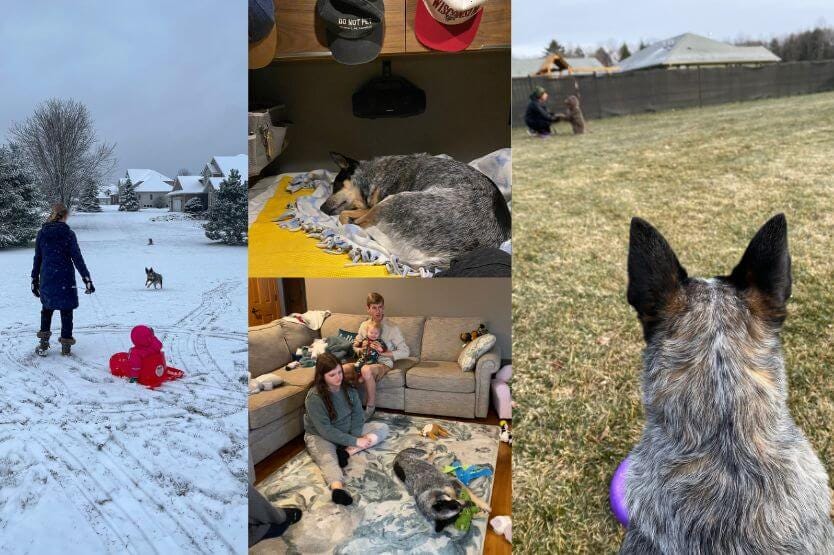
(350, 336)
(475, 350)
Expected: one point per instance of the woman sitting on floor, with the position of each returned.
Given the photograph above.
(334, 425)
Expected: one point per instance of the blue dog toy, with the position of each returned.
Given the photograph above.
(467, 473)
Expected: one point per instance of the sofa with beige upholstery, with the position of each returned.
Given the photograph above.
(429, 381)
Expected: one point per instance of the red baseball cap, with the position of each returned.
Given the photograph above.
(447, 25)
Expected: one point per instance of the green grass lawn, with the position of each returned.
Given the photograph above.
(707, 179)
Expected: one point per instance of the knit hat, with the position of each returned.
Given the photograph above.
(537, 93)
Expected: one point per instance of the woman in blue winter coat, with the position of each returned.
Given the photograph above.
(53, 277)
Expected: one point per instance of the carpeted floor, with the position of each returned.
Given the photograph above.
(383, 517)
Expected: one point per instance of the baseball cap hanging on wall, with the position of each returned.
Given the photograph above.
(263, 35)
(354, 28)
(447, 25)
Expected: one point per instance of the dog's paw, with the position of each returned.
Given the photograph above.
(344, 219)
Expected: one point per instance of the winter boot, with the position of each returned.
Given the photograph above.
(43, 346)
(66, 344)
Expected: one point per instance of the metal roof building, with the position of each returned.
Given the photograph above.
(694, 50)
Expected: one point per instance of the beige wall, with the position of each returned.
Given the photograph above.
(488, 298)
(467, 107)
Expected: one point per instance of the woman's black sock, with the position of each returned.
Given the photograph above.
(342, 455)
(276, 530)
(293, 514)
(341, 497)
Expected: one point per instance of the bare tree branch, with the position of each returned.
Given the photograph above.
(60, 145)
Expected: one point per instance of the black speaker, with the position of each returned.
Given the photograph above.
(388, 96)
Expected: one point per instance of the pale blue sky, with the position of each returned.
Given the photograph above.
(165, 80)
(591, 22)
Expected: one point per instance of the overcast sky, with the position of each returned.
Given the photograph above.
(593, 22)
(165, 80)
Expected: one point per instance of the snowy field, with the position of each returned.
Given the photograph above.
(90, 463)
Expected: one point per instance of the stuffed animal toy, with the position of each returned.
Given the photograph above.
(434, 431)
(466, 337)
(464, 520)
(506, 435)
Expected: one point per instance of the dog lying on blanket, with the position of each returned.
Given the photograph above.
(437, 495)
(430, 210)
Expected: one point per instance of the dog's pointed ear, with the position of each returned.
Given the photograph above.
(766, 267)
(654, 273)
(343, 161)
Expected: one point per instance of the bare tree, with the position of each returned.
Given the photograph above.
(183, 171)
(60, 145)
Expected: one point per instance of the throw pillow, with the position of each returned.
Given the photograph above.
(475, 350)
(347, 335)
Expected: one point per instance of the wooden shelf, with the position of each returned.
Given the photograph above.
(302, 35)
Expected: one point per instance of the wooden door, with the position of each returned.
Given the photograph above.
(264, 301)
(295, 295)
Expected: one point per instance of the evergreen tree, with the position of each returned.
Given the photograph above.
(228, 215)
(624, 52)
(21, 202)
(554, 48)
(128, 199)
(194, 206)
(89, 198)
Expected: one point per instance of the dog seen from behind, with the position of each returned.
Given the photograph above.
(429, 210)
(721, 466)
(152, 278)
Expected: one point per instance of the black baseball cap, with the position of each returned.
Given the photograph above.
(354, 28)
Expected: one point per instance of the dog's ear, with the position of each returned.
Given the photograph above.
(766, 268)
(654, 273)
(146, 270)
(343, 161)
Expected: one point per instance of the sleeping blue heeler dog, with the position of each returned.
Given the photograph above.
(721, 466)
(430, 210)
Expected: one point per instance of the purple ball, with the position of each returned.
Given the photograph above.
(617, 493)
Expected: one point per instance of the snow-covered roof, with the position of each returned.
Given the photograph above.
(138, 175)
(691, 49)
(188, 185)
(228, 163)
(153, 184)
(215, 182)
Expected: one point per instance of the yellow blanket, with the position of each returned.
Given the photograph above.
(278, 252)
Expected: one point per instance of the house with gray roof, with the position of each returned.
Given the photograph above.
(186, 187)
(218, 169)
(151, 187)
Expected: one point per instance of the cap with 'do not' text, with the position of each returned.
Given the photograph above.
(354, 28)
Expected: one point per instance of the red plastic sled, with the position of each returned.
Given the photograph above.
(154, 370)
